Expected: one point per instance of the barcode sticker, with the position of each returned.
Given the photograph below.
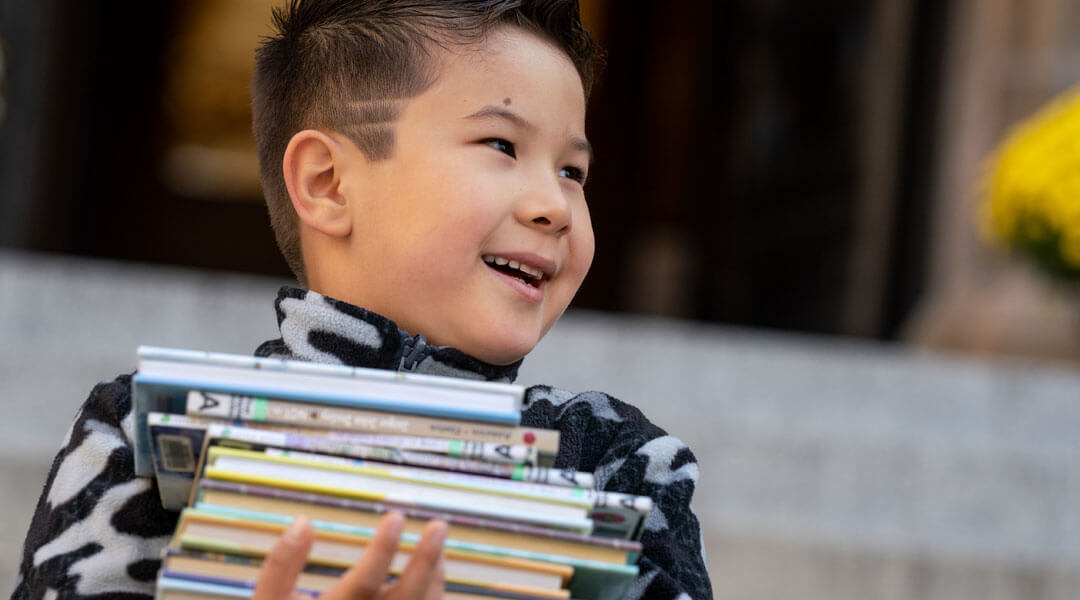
(175, 452)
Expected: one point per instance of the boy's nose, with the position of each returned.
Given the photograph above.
(545, 206)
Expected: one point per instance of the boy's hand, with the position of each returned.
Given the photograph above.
(422, 578)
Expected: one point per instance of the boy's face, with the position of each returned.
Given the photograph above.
(487, 168)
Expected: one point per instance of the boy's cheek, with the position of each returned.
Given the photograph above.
(583, 255)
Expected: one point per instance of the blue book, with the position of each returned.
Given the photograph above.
(165, 376)
(191, 585)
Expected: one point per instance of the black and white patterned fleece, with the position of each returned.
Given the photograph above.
(98, 530)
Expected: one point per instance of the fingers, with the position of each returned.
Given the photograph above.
(421, 579)
(436, 586)
(423, 576)
(282, 566)
(365, 578)
(438, 578)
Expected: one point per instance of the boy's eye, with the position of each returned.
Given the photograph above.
(502, 145)
(573, 173)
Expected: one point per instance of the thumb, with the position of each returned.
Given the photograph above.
(282, 566)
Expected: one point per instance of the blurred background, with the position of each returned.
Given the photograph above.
(790, 274)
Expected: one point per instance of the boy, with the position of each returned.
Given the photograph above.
(423, 160)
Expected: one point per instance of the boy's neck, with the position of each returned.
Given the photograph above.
(317, 328)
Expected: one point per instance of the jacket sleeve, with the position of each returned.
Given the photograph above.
(629, 454)
(97, 530)
(673, 561)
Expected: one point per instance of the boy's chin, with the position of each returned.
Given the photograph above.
(497, 356)
(499, 352)
(490, 341)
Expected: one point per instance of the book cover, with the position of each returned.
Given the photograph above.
(176, 444)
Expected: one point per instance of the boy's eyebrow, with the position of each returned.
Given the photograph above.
(491, 111)
(583, 145)
(498, 112)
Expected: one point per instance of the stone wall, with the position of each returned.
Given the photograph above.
(831, 469)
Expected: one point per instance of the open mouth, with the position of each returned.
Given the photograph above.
(529, 275)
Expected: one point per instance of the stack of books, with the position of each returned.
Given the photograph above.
(241, 445)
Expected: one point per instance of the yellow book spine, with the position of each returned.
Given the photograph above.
(218, 451)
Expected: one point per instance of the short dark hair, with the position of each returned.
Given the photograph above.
(348, 65)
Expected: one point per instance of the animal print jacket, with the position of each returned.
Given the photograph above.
(98, 530)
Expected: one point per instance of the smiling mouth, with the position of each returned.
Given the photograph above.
(529, 275)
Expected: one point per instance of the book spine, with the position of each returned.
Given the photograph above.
(352, 396)
(326, 443)
(468, 449)
(639, 504)
(172, 552)
(516, 472)
(210, 587)
(340, 443)
(600, 500)
(257, 409)
(446, 482)
(165, 376)
(356, 485)
(412, 538)
(213, 525)
(503, 510)
(441, 470)
(160, 360)
(206, 532)
(415, 513)
(208, 579)
(173, 584)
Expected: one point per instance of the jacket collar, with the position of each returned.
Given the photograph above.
(321, 329)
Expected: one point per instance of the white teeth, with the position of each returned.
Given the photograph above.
(534, 273)
(513, 264)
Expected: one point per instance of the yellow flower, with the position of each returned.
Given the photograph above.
(1031, 195)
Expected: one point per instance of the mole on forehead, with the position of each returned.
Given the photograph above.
(377, 111)
(506, 101)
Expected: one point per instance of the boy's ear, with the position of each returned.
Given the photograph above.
(313, 168)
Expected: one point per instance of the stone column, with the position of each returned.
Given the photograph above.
(1004, 60)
